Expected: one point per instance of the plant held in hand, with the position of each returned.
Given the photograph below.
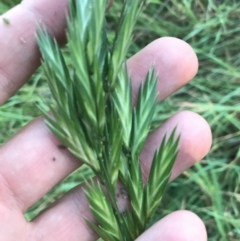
(93, 116)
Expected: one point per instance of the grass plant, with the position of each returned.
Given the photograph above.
(212, 28)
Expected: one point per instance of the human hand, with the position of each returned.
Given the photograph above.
(27, 171)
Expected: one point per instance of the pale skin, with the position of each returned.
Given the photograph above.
(27, 171)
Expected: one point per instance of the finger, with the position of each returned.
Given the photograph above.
(69, 211)
(195, 141)
(180, 225)
(32, 162)
(19, 52)
(35, 147)
(175, 62)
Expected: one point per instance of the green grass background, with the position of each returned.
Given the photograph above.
(212, 28)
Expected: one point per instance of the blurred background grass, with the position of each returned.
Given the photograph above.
(212, 28)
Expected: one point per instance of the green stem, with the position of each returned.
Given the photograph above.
(122, 224)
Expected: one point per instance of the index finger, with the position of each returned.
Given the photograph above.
(19, 52)
(19, 56)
